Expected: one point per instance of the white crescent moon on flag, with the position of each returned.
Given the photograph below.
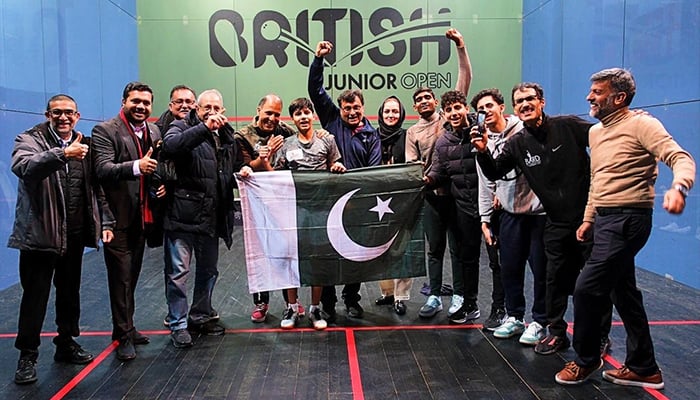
(340, 240)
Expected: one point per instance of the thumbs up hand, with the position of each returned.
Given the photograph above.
(76, 150)
(147, 165)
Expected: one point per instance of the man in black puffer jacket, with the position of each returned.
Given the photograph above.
(454, 163)
(199, 211)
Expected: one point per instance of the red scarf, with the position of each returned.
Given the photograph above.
(146, 215)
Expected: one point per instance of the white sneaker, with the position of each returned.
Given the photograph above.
(533, 334)
(316, 318)
(289, 319)
(457, 302)
(509, 329)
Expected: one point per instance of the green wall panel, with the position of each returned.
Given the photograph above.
(266, 46)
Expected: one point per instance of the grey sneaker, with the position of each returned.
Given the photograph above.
(533, 334)
(431, 307)
(181, 338)
(457, 303)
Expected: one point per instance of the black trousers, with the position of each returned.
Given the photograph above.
(36, 271)
(565, 259)
(498, 296)
(123, 258)
(609, 274)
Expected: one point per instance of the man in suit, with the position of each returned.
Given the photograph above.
(123, 147)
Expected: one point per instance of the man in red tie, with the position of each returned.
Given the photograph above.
(123, 147)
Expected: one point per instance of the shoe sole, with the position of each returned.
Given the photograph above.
(507, 335)
(563, 382)
(552, 351)
(126, 358)
(528, 342)
(465, 319)
(26, 381)
(181, 345)
(624, 382)
(70, 361)
(427, 315)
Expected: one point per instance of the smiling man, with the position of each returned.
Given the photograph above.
(359, 145)
(58, 213)
(454, 166)
(551, 153)
(259, 142)
(520, 217)
(625, 150)
(123, 147)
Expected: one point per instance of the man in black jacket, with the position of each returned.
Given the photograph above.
(551, 153)
(200, 210)
(60, 210)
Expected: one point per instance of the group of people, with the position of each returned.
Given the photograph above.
(524, 182)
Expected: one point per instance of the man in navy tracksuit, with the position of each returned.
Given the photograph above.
(359, 145)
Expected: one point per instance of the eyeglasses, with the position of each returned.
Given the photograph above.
(57, 113)
(524, 99)
(189, 102)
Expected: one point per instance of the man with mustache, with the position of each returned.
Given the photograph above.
(60, 210)
(552, 154)
(123, 164)
(625, 150)
(259, 142)
(359, 145)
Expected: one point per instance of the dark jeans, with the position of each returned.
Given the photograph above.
(521, 242)
(497, 292)
(610, 274)
(36, 270)
(350, 295)
(465, 273)
(123, 257)
(438, 212)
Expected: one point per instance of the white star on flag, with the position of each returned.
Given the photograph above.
(382, 207)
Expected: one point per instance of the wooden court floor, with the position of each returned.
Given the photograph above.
(382, 356)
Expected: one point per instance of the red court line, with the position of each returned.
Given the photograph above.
(84, 372)
(354, 364)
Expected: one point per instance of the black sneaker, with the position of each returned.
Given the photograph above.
(209, 328)
(468, 312)
(605, 344)
(26, 371)
(71, 352)
(181, 338)
(496, 318)
(354, 310)
(329, 314)
(139, 338)
(552, 344)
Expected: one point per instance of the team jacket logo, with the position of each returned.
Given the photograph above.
(531, 160)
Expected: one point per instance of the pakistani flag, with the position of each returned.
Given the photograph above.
(317, 228)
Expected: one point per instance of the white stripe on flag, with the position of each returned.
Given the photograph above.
(268, 205)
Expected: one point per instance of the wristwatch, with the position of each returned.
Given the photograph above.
(679, 187)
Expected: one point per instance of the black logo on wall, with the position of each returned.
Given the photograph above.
(273, 41)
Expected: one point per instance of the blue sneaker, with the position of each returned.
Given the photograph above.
(509, 328)
(431, 307)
